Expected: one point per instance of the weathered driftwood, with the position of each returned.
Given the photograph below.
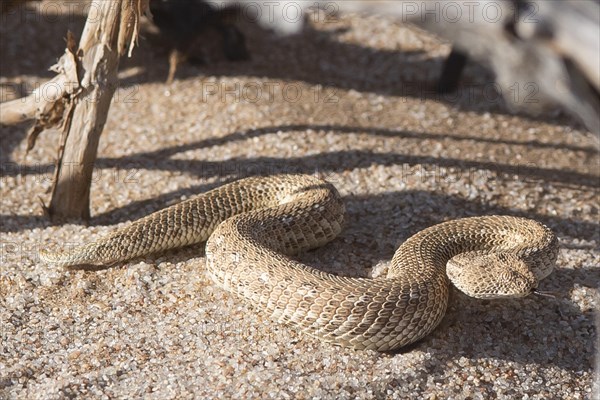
(78, 98)
(549, 49)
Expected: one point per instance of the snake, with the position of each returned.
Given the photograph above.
(255, 227)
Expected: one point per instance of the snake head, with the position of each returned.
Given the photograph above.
(491, 276)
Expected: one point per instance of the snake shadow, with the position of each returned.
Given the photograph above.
(537, 329)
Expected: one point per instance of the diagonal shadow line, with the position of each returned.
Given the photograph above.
(452, 207)
(375, 131)
(337, 162)
(582, 229)
(565, 227)
(333, 162)
(324, 163)
(13, 168)
(328, 162)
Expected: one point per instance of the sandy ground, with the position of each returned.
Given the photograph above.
(349, 99)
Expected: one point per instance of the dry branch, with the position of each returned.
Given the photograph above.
(551, 44)
(105, 38)
(78, 98)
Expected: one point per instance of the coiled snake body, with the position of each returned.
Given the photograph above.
(253, 225)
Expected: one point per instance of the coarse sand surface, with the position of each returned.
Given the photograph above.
(350, 99)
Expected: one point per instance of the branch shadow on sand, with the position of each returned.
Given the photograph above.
(326, 163)
(12, 136)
